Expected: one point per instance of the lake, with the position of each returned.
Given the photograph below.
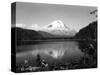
(51, 51)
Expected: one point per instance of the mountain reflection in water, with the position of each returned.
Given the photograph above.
(51, 52)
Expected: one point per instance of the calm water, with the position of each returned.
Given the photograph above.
(59, 51)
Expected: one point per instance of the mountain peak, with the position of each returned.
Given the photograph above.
(57, 25)
(57, 21)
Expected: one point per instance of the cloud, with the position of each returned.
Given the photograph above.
(34, 27)
(21, 25)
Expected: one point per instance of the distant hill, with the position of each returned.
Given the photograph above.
(88, 32)
(24, 34)
(45, 34)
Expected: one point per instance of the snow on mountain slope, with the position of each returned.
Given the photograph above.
(58, 28)
(57, 25)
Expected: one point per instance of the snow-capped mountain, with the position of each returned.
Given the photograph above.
(57, 27)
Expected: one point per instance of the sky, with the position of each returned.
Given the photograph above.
(75, 17)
